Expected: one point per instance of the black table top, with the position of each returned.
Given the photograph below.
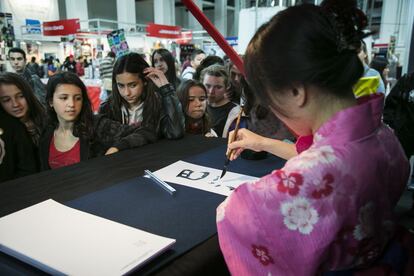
(71, 182)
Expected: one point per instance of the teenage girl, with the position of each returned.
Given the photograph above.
(164, 61)
(193, 97)
(18, 100)
(74, 134)
(143, 96)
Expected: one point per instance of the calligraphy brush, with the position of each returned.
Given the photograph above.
(236, 129)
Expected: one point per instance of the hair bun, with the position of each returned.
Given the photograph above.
(349, 22)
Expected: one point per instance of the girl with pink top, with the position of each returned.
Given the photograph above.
(330, 207)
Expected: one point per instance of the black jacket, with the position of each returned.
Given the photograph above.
(36, 83)
(171, 118)
(107, 133)
(399, 112)
(17, 156)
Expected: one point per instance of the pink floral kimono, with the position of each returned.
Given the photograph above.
(329, 208)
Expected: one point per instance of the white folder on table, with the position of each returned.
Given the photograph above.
(62, 240)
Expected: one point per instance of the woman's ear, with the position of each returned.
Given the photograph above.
(299, 95)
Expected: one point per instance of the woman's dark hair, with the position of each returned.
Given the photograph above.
(209, 60)
(133, 63)
(36, 111)
(251, 105)
(183, 92)
(83, 126)
(169, 59)
(307, 45)
(379, 64)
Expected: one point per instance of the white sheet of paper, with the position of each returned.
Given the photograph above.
(62, 240)
(203, 178)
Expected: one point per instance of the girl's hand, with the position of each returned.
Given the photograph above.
(156, 76)
(111, 150)
(245, 140)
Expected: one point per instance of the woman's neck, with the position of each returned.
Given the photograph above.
(194, 126)
(193, 121)
(65, 127)
(329, 108)
(25, 119)
(135, 105)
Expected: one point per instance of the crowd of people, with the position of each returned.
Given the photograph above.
(308, 96)
(142, 104)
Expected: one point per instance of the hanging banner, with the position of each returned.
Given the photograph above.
(185, 38)
(163, 31)
(61, 27)
(117, 42)
(33, 26)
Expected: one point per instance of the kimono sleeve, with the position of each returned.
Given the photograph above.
(271, 227)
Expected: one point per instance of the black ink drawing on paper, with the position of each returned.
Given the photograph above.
(192, 175)
(213, 182)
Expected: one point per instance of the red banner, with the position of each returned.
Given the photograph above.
(185, 38)
(61, 27)
(163, 31)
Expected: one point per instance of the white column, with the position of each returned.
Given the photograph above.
(395, 20)
(77, 9)
(237, 8)
(164, 12)
(409, 39)
(125, 10)
(220, 16)
(389, 19)
(192, 21)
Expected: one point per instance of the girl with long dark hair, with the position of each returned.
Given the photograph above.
(74, 133)
(18, 100)
(164, 61)
(193, 97)
(142, 96)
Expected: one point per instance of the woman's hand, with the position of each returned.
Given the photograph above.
(156, 76)
(245, 140)
(111, 150)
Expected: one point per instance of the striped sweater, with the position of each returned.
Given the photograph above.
(105, 68)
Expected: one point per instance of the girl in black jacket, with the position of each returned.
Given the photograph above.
(19, 101)
(142, 96)
(74, 133)
(17, 157)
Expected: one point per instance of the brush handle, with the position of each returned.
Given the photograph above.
(236, 129)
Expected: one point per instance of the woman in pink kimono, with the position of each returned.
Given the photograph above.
(330, 207)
